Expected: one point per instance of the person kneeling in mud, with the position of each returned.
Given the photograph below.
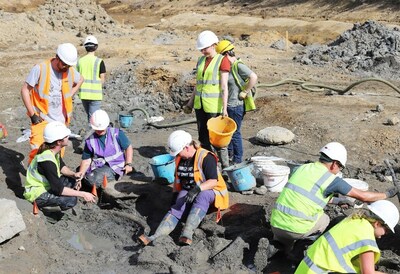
(350, 246)
(49, 181)
(107, 151)
(198, 184)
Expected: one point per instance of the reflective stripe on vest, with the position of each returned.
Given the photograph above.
(220, 190)
(36, 183)
(208, 90)
(341, 247)
(40, 93)
(91, 88)
(301, 202)
(112, 154)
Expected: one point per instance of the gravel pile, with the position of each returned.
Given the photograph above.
(368, 49)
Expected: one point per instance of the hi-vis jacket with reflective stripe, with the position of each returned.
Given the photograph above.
(220, 190)
(338, 249)
(208, 89)
(249, 104)
(40, 93)
(301, 202)
(36, 183)
(91, 88)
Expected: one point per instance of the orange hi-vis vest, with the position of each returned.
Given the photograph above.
(220, 190)
(40, 93)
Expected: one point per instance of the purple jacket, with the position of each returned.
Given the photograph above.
(111, 154)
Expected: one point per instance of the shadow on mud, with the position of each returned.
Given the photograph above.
(11, 164)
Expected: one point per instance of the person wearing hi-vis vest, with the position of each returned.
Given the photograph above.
(198, 185)
(298, 212)
(350, 246)
(210, 97)
(93, 70)
(48, 91)
(107, 152)
(49, 182)
(240, 98)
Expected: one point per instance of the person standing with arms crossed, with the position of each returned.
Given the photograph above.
(240, 82)
(48, 91)
(210, 98)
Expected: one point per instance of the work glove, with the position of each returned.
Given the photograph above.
(391, 192)
(342, 201)
(36, 119)
(187, 109)
(192, 194)
(242, 95)
(174, 197)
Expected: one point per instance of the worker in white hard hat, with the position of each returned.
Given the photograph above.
(210, 97)
(48, 91)
(198, 185)
(350, 246)
(49, 182)
(107, 152)
(299, 210)
(93, 70)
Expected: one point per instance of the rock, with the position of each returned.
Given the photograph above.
(11, 222)
(275, 136)
(392, 121)
(262, 190)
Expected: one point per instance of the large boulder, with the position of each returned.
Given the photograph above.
(275, 136)
(11, 222)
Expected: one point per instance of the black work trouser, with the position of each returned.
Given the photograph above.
(64, 202)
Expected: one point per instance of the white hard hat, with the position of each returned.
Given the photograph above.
(177, 141)
(387, 211)
(99, 120)
(206, 39)
(67, 53)
(336, 151)
(55, 131)
(91, 40)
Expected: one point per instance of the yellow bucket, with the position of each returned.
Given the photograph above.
(220, 131)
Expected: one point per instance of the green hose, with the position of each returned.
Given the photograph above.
(314, 87)
(320, 87)
(184, 122)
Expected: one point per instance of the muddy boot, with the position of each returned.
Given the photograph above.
(166, 226)
(195, 217)
(223, 156)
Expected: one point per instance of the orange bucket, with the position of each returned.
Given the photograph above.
(220, 131)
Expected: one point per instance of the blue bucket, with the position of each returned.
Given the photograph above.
(241, 176)
(163, 167)
(125, 120)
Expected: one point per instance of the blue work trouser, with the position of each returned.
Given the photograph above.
(235, 147)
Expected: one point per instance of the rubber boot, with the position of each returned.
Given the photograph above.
(166, 226)
(223, 156)
(195, 217)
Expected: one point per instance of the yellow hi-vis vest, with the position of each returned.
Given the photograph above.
(249, 104)
(36, 183)
(40, 93)
(338, 249)
(221, 192)
(301, 202)
(91, 88)
(208, 89)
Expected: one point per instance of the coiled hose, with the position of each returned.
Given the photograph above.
(314, 87)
